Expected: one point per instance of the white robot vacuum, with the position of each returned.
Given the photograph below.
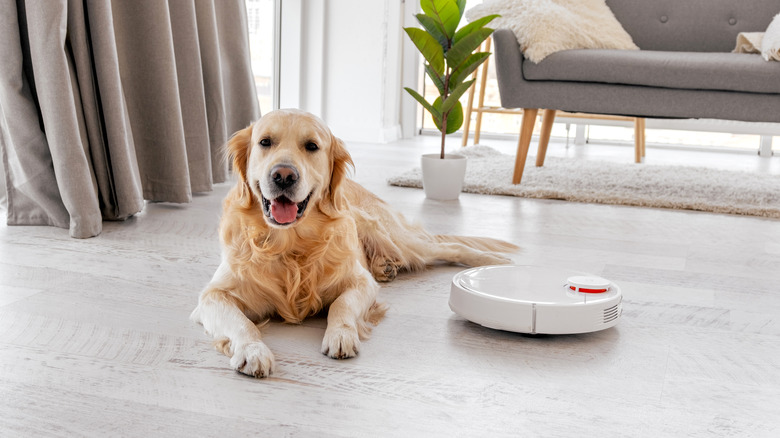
(535, 299)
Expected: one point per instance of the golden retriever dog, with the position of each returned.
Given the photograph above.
(298, 237)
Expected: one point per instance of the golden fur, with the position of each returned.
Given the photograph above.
(330, 256)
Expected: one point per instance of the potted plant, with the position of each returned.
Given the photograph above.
(449, 60)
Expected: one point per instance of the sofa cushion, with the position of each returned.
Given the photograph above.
(681, 70)
(692, 25)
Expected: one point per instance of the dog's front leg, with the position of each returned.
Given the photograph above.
(347, 314)
(235, 334)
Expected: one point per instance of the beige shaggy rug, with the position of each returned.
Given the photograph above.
(681, 187)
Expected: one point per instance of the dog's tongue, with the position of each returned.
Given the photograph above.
(283, 210)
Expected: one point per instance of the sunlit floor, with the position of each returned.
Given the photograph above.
(95, 338)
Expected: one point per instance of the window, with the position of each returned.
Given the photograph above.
(263, 43)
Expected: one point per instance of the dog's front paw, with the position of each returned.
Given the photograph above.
(253, 359)
(341, 342)
(384, 270)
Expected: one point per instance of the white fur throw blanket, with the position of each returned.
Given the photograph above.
(543, 27)
(770, 46)
(766, 43)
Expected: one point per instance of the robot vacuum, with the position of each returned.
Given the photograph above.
(535, 299)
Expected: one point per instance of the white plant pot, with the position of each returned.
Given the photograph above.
(443, 179)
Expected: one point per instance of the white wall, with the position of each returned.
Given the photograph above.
(341, 60)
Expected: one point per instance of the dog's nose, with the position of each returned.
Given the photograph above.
(284, 176)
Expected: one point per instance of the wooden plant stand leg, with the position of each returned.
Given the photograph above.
(526, 131)
(548, 117)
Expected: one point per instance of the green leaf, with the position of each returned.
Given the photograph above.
(434, 28)
(469, 65)
(459, 52)
(454, 117)
(437, 80)
(471, 27)
(458, 91)
(435, 112)
(461, 8)
(429, 47)
(446, 12)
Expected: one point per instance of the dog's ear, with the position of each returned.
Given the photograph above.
(341, 162)
(237, 149)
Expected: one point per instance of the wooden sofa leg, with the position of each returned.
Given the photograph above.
(639, 139)
(526, 131)
(548, 117)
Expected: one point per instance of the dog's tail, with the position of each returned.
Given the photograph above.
(480, 243)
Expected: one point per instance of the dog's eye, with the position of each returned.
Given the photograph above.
(311, 146)
(265, 142)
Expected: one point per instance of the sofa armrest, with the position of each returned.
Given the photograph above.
(509, 67)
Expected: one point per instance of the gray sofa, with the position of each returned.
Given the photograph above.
(683, 70)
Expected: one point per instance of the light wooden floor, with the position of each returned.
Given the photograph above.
(95, 340)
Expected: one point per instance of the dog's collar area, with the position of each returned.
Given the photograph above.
(282, 211)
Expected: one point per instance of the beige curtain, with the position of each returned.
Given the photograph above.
(105, 104)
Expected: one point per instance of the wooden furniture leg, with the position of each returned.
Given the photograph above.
(467, 115)
(548, 117)
(639, 139)
(481, 102)
(526, 131)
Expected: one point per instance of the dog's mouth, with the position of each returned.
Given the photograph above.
(283, 211)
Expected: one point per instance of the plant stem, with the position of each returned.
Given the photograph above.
(445, 115)
(443, 133)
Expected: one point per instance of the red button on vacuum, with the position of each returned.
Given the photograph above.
(588, 285)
